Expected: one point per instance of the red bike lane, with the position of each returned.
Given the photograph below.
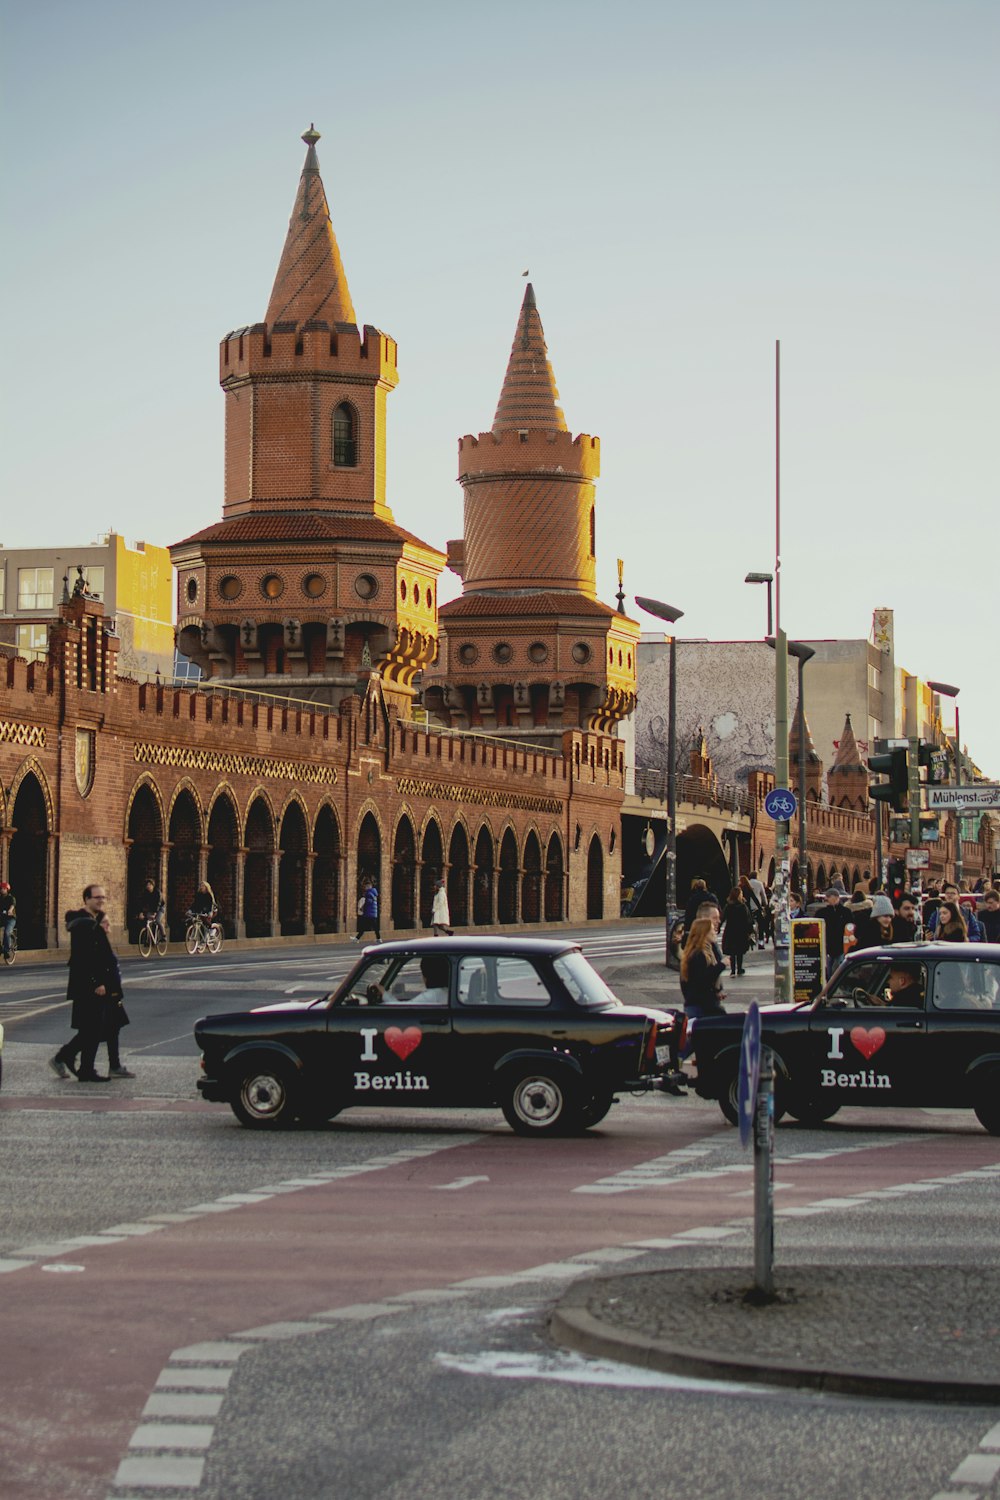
(83, 1349)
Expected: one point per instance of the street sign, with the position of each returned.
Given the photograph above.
(780, 804)
(918, 859)
(749, 1072)
(977, 798)
(808, 957)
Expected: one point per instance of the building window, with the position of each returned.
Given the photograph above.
(538, 651)
(365, 586)
(503, 651)
(580, 653)
(192, 590)
(3, 590)
(874, 678)
(230, 586)
(272, 587)
(34, 588)
(32, 641)
(94, 579)
(345, 436)
(468, 653)
(314, 584)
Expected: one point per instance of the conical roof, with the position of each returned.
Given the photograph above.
(529, 398)
(848, 756)
(793, 738)
(310, 284)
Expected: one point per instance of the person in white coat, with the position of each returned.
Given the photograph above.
(440, 915)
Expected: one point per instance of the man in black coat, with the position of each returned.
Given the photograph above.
(92, 976)
(836, 916)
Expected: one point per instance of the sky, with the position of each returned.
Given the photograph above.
(688, 184)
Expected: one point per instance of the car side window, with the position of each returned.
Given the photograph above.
(858, 984)
(967, 986)
(501, 981)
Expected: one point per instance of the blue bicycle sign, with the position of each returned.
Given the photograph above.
(780, 804)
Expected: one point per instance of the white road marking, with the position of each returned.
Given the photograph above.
(576, 1369)
(460, 1182)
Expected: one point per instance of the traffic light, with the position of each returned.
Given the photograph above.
(892, 791)
(895, 879)
(936, 761)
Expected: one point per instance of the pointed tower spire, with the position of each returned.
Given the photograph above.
(848, 756)
(812, 756)
(529, 398)
(310, 285)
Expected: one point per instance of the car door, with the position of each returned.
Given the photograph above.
(390, 1035)
(863, 1048)
(964, 1022)
(503, 1006)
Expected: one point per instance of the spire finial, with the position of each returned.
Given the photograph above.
(311, 136)
(310, 285)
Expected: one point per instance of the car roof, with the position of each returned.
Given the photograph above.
(940, 952)
(529, 946)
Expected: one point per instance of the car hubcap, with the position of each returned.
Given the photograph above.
(263, 1095)
(538, 1101)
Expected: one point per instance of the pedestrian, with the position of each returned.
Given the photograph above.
(368, 910)
(699, 893)
(950, 893)
(8, 916)
(737, 934)
(756, 907)
(874, 929)
(710, 911)
(950, 925)
(152, 906)
(440, 915)
(904, 923)
(989, 917)
(701, 972)
(94, 979)
(835, 917)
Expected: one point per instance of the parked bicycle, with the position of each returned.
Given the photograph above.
(10, 952)
(202, 933)
(152, 937)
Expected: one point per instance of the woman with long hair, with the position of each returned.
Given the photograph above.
(700, 971)
(737, 934)
(951, 926)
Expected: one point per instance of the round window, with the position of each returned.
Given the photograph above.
(538, 651)
(580, 653)
(272, 587)
(468, 653)
(402, 589)
(503, 651)
(416, 594)
(230, 587)
(365, 586)
(314, 584)
(192, 590)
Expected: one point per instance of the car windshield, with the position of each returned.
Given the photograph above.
(584, 983)
(400, 979)
(901, 983)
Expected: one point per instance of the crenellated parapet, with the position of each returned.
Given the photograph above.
(529, 450)
(314, 349)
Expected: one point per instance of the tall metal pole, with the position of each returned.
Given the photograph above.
(782, 934)
(803, 844)
(770, 620)
(671, 856)
(959, 861)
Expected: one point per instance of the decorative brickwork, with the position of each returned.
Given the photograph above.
(21, 734)
(231, 764)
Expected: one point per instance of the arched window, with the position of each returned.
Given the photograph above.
(345, 436)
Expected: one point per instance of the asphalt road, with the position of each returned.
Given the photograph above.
(194, 1309)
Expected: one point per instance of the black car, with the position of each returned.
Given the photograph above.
(914, 1024)
(525, 1024)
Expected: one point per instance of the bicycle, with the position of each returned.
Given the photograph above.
(152, 936)
(201, 934)
(10, 952)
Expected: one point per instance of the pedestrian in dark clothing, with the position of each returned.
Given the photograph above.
(756, 906)
(94, 977)
(368, 910)
(875, 930)
(699, 893)
(701, 970)
(737, 934)
(950, 926)
(834, 914)
(989, 917)
(904, 923)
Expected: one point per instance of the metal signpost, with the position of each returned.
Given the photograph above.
(780, 805)
(756, 1107)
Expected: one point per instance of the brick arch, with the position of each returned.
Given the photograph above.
(595, 877)
(327, 844)
(295, 796)
(431, 853)
(28, 852)
(404, 868)
(185, 834)
(32, 767)
(369, 846)
(260, 839)
(260, 794)
(459, 867)
(148, 781)
(293, 867)
(508, 874)
(484, 854)
(532, 881)
(224, 836)
(555, 878)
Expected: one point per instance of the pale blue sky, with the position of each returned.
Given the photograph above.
(687, 183)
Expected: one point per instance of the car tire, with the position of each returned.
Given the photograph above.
(596, 1107)
(264, 1094)
(729, 1098)
(542, 1101)
(812, 1111)
(987, 1105)
(315, 1115)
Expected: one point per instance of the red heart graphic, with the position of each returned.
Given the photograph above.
(867, 1042)
(403, 1042)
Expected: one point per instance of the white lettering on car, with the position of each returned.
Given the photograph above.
(829, 1078)
(368, 1035)
(406, 1082)
(835, 1033)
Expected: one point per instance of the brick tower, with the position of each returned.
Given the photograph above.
(847, 778)
(529, 650)
(306, 585)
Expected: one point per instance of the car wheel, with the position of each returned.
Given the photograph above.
(264, 1097)
(315, 1115)
(812, 1111)
(541, 1101)
(730, 1096)
(596, 1107)
(987, 1104)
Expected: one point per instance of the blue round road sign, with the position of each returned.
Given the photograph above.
(780, 804)
(746, 1101)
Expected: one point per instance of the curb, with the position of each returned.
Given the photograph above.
(573, 1326)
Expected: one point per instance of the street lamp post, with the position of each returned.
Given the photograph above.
(667, 612)
(767, 578)
(947, 690)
